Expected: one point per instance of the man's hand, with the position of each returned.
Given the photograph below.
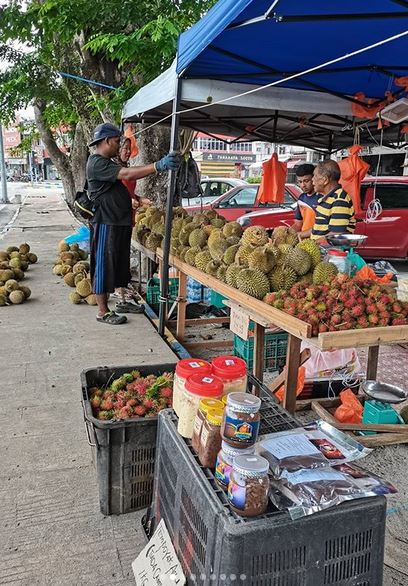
(170, 162)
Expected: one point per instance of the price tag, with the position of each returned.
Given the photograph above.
(157, 564)
(239, 323)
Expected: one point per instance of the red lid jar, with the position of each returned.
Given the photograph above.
(184, 369)
(197, 387)
(232, 371)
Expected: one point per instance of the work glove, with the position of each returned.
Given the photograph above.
(170, 162)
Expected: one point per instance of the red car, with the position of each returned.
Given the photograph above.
(387, 234)
(241, 200)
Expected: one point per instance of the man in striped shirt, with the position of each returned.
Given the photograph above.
(335, 211)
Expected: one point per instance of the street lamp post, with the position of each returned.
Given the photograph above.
(3, 191)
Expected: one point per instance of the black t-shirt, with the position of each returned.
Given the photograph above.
(113, 206)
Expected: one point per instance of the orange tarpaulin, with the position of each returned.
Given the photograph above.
(134, 149)
(272, 188)
(353, 170)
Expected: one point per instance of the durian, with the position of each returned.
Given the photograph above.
(243, 254)
(18, 274)
(16, 297)
(197, 238)
(261, 259)
(190, 255)
(78, 278)
(32, 258)
(3, 300)
(69, 279)
(91, 299)
(232, 274)
(218, 222)
(15, 254)
(15, 263)
(279, 235)
(6, 274)
(153, 241)
(11, 285)
(215, 234)
(74, 247)
(232, 229)
(282, 278)
(313, 249)
(212, 267)
(324, 272)
(230, 253)
(57, 270)
(3, 255)
(75, 297)
(253, 282)
(11, 249)
(84, 288)
(185, 233)
(255, 236)
(26, 291)
(299, 260)
(221, 272)
(63, 246)
(202, 259)
(291, 237)
(218, 248)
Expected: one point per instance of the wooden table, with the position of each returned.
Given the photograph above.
(264, 316)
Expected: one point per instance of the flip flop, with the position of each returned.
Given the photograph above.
(129, 308)
(112, 318)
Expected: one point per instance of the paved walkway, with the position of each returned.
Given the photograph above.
(51, 530)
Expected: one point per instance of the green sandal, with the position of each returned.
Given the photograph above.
(112, 318)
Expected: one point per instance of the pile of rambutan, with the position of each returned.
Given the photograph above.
(343, 304)
(132, 396)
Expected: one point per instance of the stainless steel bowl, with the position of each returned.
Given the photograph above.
(346, 240)
(384, 392)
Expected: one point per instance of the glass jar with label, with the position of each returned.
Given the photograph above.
(225, 459)
(197, 387)
(210, 441)
(240, 426)
(233, 373)
(248, 489)
(204, 406)
(184, 369)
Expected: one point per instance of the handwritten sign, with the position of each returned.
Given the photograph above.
(157, 564)
(239, 323)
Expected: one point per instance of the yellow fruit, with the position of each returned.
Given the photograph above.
(16, 297)
(69, 279)
(57, 270)
(84, 288)
(63, 246)
(91, 299)
(75, 298)
(11, 285)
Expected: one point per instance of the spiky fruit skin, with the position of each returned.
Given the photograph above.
(69, 279)
(313, 249)
(230, 254)
(253, 282)
(26, 291)
(91, 299)
(190, 255)
(75, 298)
(262, 260)
(279, 235)
(197, 238)
(212, 268)
(16, 297)
(84, 288)
(324, 272)
(255, 236)
(243, 253)
(232, 274)
(185, 233)
(299, 260)
(202, 259)
(232, 229)
(218, 248)
(282, 278)
(11, 285)
(221, 273)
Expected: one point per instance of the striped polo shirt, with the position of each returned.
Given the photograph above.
(334, 213)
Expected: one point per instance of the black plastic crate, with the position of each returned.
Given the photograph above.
(125, 450)
(343, 546)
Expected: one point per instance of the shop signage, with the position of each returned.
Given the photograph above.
(230, 157)
(239, 322)
(157, 564)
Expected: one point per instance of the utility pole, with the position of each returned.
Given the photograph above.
(3, 191)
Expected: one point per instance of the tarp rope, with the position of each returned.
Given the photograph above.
(277, 82)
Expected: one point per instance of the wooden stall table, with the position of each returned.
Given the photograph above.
(264, 316)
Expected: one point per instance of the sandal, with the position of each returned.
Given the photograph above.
(129, 308)
(112, 318)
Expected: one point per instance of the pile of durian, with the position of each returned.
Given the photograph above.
(149, 228)
(73, 267)
(14, 261)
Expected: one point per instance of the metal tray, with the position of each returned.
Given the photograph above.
(384, 392)
(347, 240)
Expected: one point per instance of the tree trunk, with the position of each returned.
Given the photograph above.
(153, 145)
(70, 169)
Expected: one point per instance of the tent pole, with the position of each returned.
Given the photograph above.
(164, 277)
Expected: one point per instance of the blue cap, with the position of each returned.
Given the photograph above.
(105, 130)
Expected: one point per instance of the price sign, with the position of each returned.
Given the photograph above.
(239, 323)
(157, 564)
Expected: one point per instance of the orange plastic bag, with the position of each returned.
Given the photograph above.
(280, 393)
(272, 188)
(367, 273)
(134, 149)
(351, 410)
(353, 170)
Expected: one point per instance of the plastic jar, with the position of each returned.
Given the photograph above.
(184, 369)
(204, 406)
(338, 258)
(225, 459)
(240, 425)
(197, 387)
(210, 440)
(248, 489)
(232, 371)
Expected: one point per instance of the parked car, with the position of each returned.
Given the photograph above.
(241, 200)
(213, 188)
(387, 234)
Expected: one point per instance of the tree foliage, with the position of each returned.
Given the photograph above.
(123, 44)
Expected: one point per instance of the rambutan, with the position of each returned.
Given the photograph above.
(166, 392)
(357, 310)
(148, 404)
(373, 319)
(106, 405)
(131, 403)
(95, 402)
(399, 321)
(140, 411)
(372, 308)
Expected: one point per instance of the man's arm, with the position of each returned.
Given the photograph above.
(133, 173)
(297, 225)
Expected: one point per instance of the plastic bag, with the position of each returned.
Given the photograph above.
(316, 445)
(353, 170)
(367, 273)
(280, 393)
(351, 410)
(326, 363)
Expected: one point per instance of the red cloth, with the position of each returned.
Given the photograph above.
(353, 170)
(272, 188)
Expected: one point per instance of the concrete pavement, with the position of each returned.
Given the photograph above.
(51, 530)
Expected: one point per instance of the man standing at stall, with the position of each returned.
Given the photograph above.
(335, 211)
(111, 225)
(305, 212)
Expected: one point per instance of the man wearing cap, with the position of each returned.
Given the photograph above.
(111, 225)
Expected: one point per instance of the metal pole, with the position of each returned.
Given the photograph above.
(3, 192)
(164, 281)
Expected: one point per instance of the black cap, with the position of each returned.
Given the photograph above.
(105, 130)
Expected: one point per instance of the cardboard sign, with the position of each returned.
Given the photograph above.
(157, 564)
(239, 323)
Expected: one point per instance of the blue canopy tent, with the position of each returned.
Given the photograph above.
(295, 45)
